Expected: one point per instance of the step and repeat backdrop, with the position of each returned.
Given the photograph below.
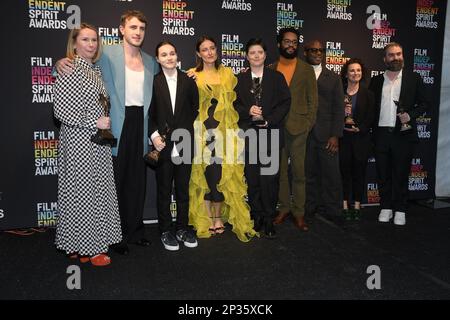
(36, 35)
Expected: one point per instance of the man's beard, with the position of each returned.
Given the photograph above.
(287, 55)
(395, 65)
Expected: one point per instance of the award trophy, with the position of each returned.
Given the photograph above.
(104, 136)
(400, 109)
(349, 121)
(256, 90)
(152, 157)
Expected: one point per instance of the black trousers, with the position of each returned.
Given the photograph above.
(323, 178)
(262, 192)
(393, 155)
(130, 175)
(353, 163)
(262, 187)
(166, 174)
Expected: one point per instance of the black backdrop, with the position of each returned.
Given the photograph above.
(35, 34)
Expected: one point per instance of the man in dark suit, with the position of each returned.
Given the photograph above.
(399, 99)
(173, 111)
(299, 121)
(262, 92)
(323, 176)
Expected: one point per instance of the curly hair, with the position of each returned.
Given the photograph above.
(283, 31)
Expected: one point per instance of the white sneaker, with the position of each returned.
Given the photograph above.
(385, 215)
(400, 218)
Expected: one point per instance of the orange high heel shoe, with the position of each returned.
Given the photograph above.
(100, 260)
(83, 259)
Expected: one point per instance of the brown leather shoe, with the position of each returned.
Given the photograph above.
(279, 219)
(300, 223)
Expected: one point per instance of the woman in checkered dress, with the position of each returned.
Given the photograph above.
(89, 219)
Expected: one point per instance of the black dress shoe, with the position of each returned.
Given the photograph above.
(121, 249)
(142, 242)
(258, 223)
(269, 230)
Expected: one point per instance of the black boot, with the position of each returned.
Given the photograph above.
(269, 230)
(258, 223)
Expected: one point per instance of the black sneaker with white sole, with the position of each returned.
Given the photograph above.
(169, 241)
(187, 237)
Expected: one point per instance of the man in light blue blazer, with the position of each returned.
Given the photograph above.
(128, 74)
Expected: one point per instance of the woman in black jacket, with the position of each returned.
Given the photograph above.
(263, 100)
(355, 143)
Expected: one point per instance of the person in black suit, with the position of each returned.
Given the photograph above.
(354, 146)
(263, 100)
(395, 132)
(173, 110)
(323, 177)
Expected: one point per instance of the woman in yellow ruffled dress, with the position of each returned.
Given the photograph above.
(217, 187)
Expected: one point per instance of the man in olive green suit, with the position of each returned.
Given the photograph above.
(302, 83)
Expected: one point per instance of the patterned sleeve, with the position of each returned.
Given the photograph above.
(68, 100)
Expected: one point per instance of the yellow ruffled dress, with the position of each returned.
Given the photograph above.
(219, 84)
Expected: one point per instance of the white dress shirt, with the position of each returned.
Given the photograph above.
(390, 92)
(255, 76)
(317, 70)
(172, 84)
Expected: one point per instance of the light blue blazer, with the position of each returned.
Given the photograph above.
(112, 64)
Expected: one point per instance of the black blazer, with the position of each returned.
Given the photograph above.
(364, 115)
(412, 96)
(275, 99)
(364, 110)
(186, 108)
(330, 113)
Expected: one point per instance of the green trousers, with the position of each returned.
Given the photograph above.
(294, 149)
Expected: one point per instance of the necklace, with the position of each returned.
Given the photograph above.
(352, 91)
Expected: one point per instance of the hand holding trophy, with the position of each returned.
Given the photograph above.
(349, 121)
(400, 109)
(104, 136)
(256, 90)
(152, 157)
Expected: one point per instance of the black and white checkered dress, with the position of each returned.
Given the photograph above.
(87, 201)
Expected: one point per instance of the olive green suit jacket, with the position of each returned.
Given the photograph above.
(304, 99)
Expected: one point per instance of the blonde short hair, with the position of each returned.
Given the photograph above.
(71, 52)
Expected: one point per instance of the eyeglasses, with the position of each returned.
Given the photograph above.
(290, 42)
(315, 50)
